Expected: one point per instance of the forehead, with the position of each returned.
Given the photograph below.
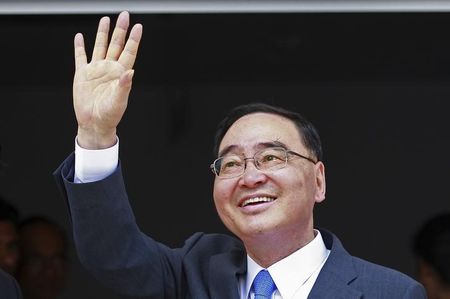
(256, 128)
(7, 227)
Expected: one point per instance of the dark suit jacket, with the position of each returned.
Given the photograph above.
(111, 246)
(8, 287)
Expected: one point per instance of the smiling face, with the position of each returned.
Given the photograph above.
(281, 201)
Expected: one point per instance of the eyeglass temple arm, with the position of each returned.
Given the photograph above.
(304, 157)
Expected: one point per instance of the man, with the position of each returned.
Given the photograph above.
(268, 178)
(9, 238)
(43, 267)
(431, 246)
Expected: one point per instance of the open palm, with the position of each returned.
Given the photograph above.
(101, 87)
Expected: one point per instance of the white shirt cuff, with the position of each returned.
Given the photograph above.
(95, 165)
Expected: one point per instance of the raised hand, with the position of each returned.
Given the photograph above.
(101, 87)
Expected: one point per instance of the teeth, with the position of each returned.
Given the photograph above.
(257, 199)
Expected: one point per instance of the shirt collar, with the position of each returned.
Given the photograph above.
(292, 271)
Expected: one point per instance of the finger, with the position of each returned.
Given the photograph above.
(80, 53)
(101, 40)
(129, 53)
(118, 36)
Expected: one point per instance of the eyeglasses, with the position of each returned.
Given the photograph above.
(272, 158)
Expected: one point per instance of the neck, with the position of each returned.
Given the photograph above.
(268, 248)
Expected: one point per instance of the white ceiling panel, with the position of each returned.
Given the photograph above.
(227, 6)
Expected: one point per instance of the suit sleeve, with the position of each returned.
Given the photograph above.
(109, 242)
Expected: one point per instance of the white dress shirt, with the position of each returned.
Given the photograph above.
(294, 275)
(94, 165)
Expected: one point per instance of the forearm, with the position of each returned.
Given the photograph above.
(108, 240)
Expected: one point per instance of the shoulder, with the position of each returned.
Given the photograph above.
(371, 280)
(201, 247)
(212, 243)
(378, 272)
(8, 286)
(204, 254)
(383, 280)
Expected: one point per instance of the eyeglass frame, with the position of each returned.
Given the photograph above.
(245, 159)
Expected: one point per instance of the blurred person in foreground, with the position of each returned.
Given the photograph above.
(431, 246)
(43, 268)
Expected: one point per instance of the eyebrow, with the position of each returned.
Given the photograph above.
(260, 145)
(227, 149)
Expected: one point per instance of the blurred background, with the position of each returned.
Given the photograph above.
(375, 82)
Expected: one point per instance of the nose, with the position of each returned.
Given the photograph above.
(252, 176)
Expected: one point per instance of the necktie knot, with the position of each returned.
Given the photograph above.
(263, 285)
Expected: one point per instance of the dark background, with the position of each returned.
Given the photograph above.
(375, 84)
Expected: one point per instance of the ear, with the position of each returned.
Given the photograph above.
(320, 182)
(429, 278)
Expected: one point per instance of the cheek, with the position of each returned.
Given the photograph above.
(290, 180)
(222, 200)
(297, 187)
(219, 201)
(303, 181)
(221, 194)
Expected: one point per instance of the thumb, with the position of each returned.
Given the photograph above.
(124, 85)
(126, 78)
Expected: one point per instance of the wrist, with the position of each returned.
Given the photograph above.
(94, 140)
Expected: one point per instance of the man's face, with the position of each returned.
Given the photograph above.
(292, 190)
(42, 273)
(9, 252)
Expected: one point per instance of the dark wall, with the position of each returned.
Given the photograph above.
(375, 85)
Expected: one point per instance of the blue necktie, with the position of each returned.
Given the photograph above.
(263, 285)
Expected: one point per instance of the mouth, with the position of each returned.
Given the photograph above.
(252, 201)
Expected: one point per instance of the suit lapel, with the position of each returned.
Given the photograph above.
(332, 285)
(337, 273)
(335, 291)
(224, 269)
